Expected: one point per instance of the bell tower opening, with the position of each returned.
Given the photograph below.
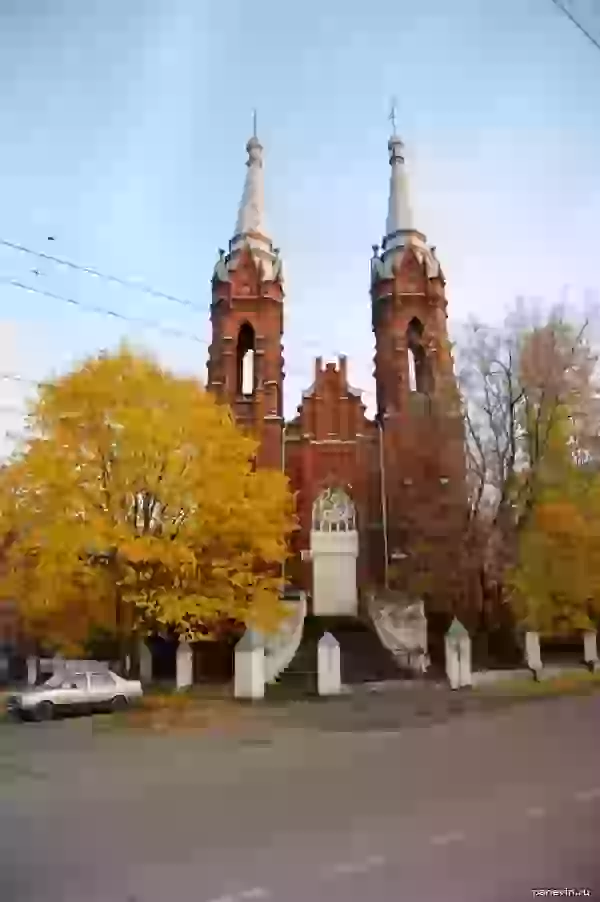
(246, 376)
(419, 370)
(412, 370)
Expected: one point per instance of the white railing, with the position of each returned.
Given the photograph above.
(280, 647)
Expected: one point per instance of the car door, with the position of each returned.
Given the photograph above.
(102, 688)
(72, 692)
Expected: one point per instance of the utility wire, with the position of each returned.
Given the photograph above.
(108, 277)
(16, 377)
(126, 283)
(104, 311)
(577, 24)
(295, 370)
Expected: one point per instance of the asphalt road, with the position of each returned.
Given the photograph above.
(481, 807)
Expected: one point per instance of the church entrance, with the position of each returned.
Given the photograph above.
(334, 550)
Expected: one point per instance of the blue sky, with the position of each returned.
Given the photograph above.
(123, 128)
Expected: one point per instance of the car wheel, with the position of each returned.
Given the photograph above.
(119, 703)
(43, 711)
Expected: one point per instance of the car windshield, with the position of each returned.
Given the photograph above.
(55, 681)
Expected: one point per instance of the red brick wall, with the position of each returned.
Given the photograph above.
(331, 443)
(424, 435)
(246, 298)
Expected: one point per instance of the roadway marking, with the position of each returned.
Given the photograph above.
(588, 795)
(357, 867)
(536, 812)
(255, 892)
(444, 839)
(348, 867)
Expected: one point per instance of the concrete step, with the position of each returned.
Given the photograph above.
(363, 657)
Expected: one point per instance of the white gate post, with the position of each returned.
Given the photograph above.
(58, 663)
(458, 655)
(184, 665)
(249, 677)
(590, 650)
(145, 659)
(452, 663)
(329, 678)
(32, 670)
(464, 661)
(533, 656)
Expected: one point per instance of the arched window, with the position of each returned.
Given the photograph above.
(248, 373)
(419, 369)
(246, 376)
(412, 370)
(333, 511)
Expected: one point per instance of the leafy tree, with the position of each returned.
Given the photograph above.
(532, 416)
(555, 582)
(134, 504)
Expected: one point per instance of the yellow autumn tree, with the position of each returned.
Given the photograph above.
(556, 579)
(134, 505)
(551, 582)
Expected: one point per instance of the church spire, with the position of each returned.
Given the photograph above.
(251, 212)
(400, 231)
(399, 223)
(250, 231)
(399, 218)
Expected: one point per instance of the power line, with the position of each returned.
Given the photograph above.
(577, 24)
(16, 377)
(141, 321)
(104, 311)
(108, 277)
(126, 283)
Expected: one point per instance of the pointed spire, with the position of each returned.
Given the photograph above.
(250, 231)
(400, 231)
(400, 217)
(251, 211)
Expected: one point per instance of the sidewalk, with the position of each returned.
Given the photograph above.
(363, 708)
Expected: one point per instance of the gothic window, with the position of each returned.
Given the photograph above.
(419, 369)
(412, 370)
(246, 375)
(333, 511)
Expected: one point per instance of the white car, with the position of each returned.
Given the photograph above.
(75, 690)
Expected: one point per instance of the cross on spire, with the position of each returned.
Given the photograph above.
(392, 116)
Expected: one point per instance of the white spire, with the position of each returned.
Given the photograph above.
(400, 232)
(252, 207)
(399, 218)
(250, 231)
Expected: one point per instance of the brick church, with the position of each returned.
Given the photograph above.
(371, 493)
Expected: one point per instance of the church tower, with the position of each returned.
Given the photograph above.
(418, 410)
(412, 354)
(245, 365)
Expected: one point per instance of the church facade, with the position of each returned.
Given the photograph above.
(370, 493)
